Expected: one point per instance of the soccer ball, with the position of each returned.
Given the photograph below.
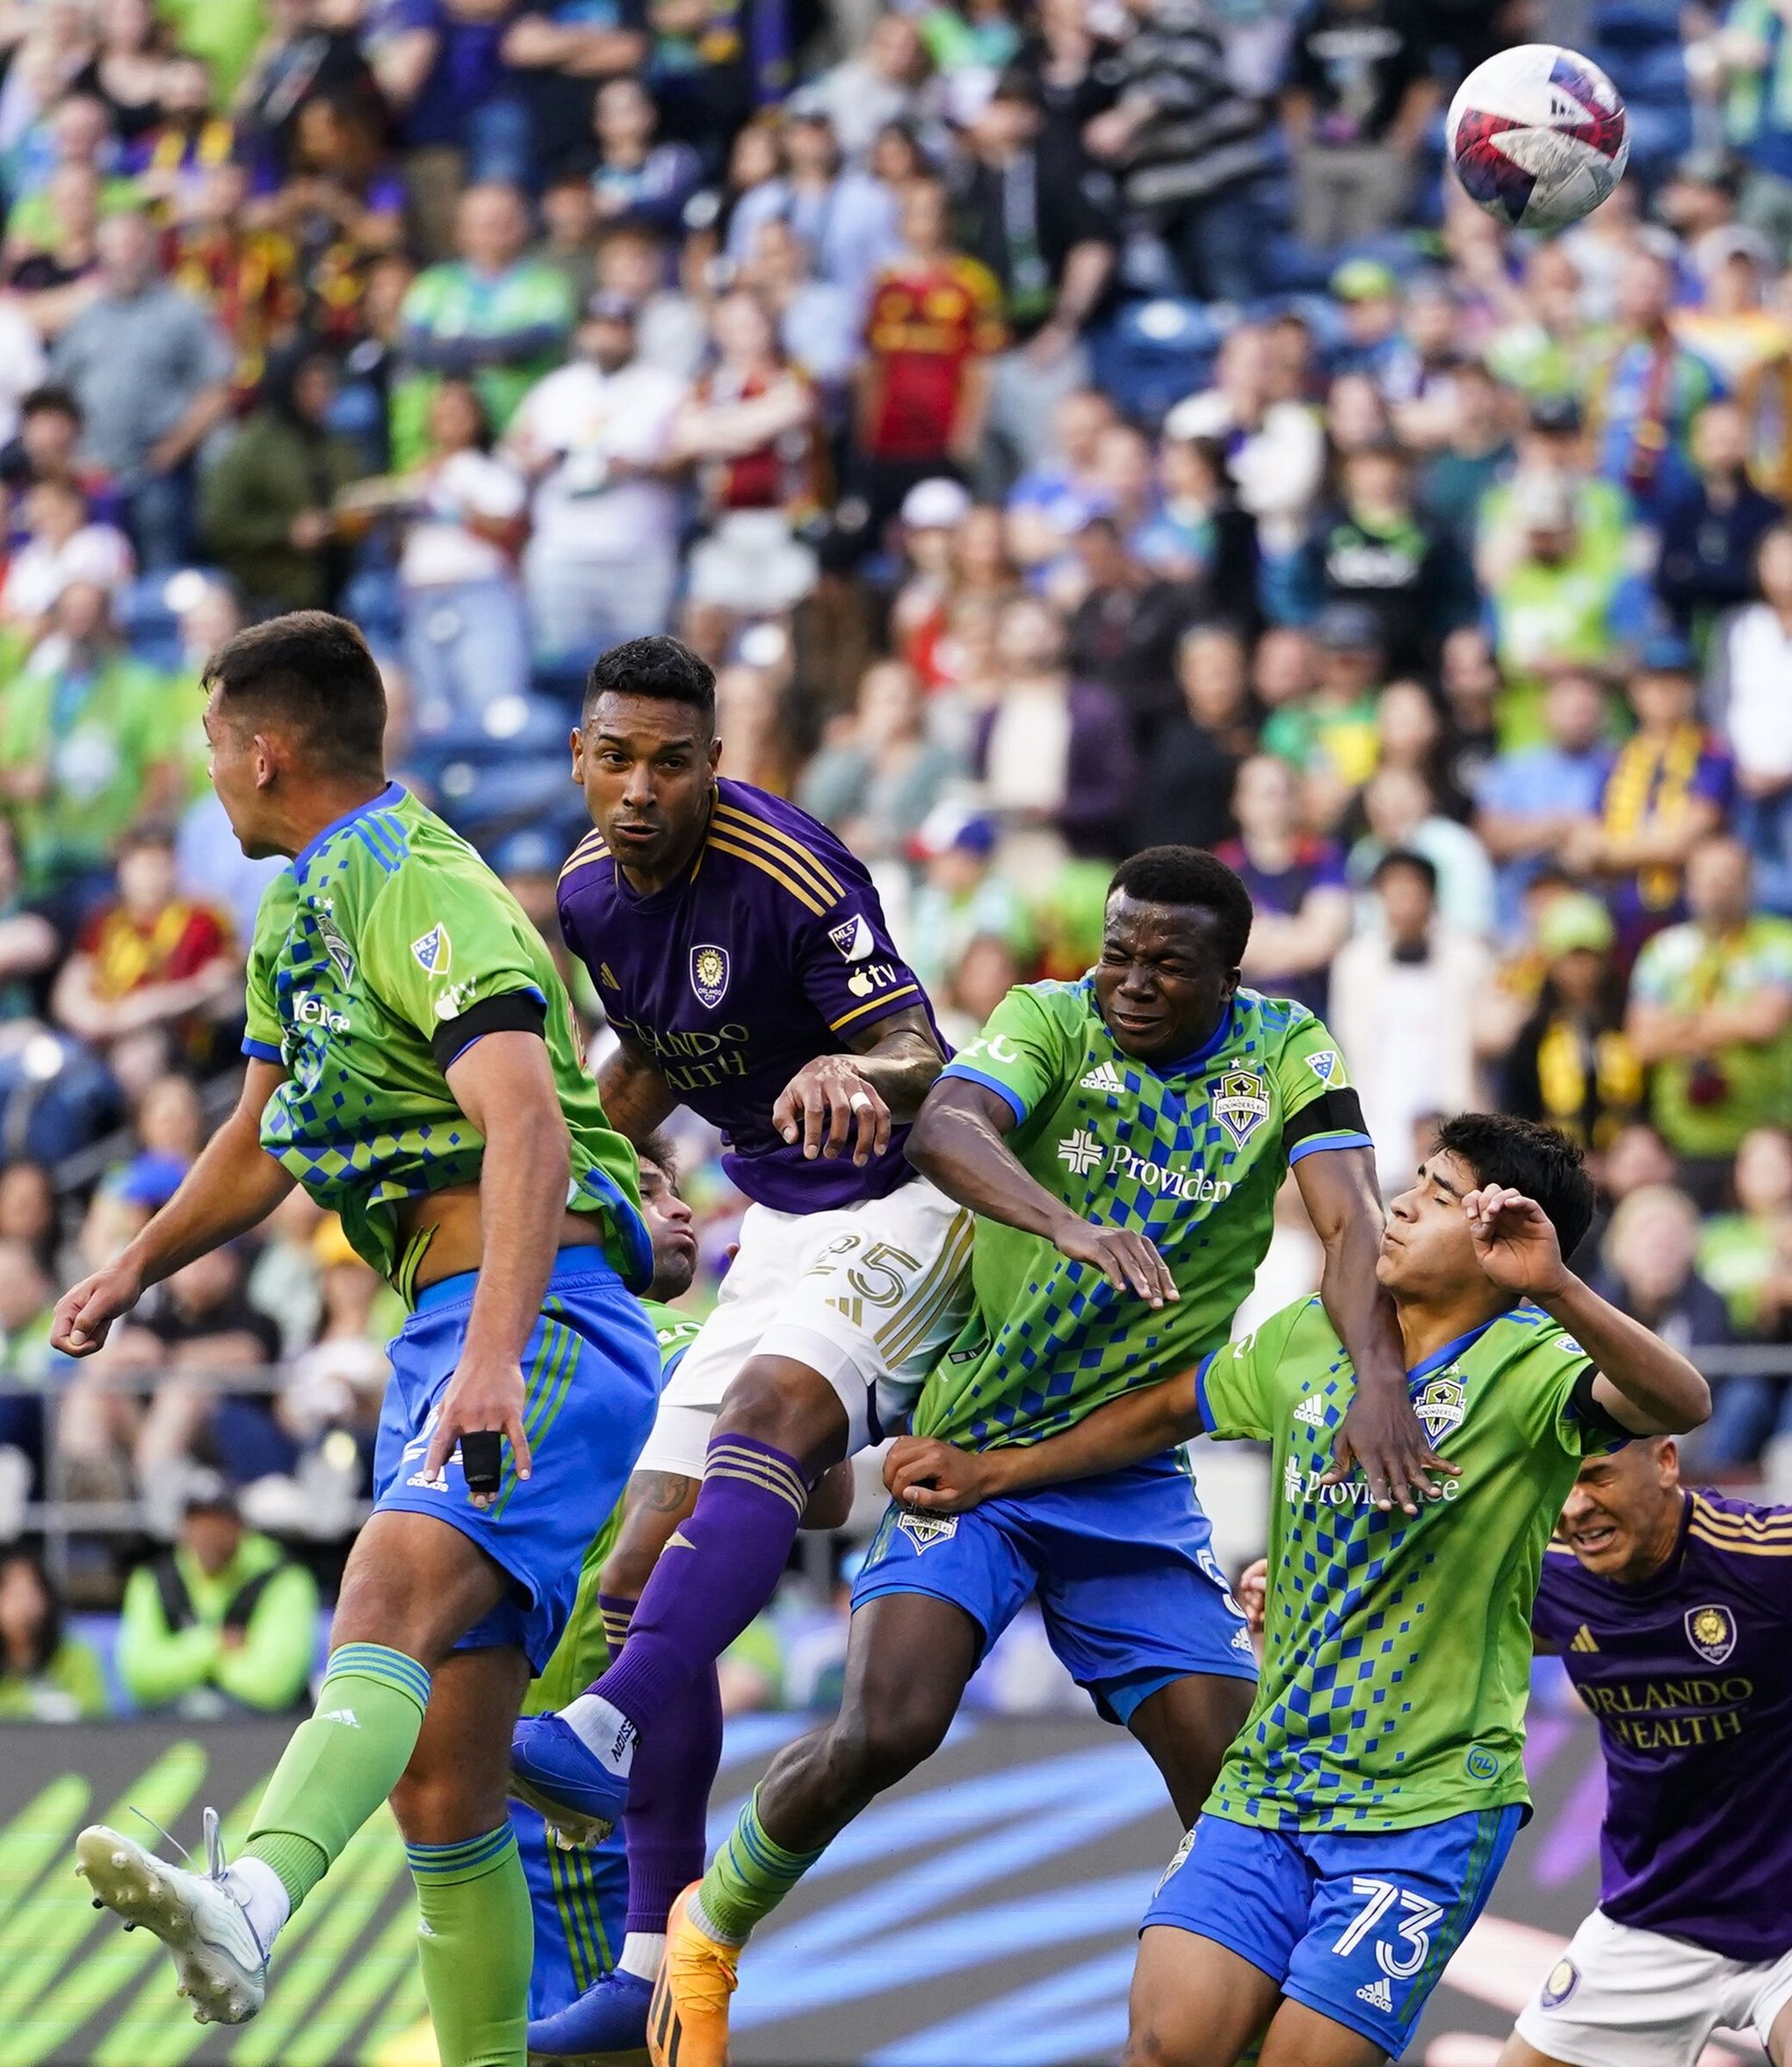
(1537, 136)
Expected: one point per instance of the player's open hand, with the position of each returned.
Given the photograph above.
(1252, 1594)
(936, 1478)
(1514, 1243)
(1382, 1433)
(83, 1316)
(829, 1106)
(1128, 1262)
(482, 1397)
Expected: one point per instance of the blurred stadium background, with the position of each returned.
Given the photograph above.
(1066, 424)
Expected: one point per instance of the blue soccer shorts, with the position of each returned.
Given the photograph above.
(580, 1900)
(591, 1369)
(1357, 1925)
(1130, 1592)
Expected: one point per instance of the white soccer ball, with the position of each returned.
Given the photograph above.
(1538, 136)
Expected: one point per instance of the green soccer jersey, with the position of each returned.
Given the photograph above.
(386, 932)
(583, 1651)
(1397, 1649)
(1191, 1155)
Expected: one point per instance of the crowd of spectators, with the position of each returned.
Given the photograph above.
(1066, 424)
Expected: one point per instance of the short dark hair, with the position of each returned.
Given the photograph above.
(52, 401)
(1190, 876)
(1543, 1165)
(658, 667)
(658, 1150)
(314, 671)
(1404, 857)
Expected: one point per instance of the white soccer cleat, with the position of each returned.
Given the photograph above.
(223, 1966)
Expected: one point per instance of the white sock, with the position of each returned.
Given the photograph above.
(641, 1954)
(603, 1730)
(264, 1897)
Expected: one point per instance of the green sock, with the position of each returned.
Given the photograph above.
(475, 1941)
(341, 1764)
(749, 1876)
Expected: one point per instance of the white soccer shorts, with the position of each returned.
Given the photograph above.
(869, 1295)
(1624, 1998)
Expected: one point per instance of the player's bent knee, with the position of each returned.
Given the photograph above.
(872, 1749)
(778, 1402)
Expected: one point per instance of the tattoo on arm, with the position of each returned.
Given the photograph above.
(636, 1096)
(660, 1492)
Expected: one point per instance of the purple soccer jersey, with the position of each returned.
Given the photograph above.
(1690, 1675)
(771, 949)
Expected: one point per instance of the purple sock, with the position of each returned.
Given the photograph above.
(669, 1792)
(712, 1578)
(668, 1788)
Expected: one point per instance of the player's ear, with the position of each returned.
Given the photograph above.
(577, 742)
(715, 752)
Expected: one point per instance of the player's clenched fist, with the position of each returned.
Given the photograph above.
(1251, 1593)
(1514, 1243)
(934, 1476)
(829, 1106)
(1130, 1262)
(84, 1315)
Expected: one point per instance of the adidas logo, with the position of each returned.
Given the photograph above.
(1377, 1993)
(1583, 1639)
(1312, 1412)
(1241, 1639)
(346, 1717)
(1104, 1077)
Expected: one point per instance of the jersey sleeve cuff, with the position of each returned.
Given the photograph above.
(1201, 1405)
(1005, 1092)
(261, 1051)
(1315, 1142)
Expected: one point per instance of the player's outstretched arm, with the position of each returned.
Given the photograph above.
(941, 1479)
(1380, 1431)
(504, 1084)
(233, 1186)
(1645, 1386)
(958, 1141)
(853, 1100)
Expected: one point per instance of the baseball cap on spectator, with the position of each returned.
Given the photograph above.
(207, 1492)
(150, 1179)
(1346, 627)
(1365, 279)
(608, 307)
(1732, 239)
(1572, 919)
(949, 828)
(1665, 652)
(1556, 416)
(936, 505)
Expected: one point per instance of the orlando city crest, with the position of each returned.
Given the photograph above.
(1711, 1631)
(709, 975)
(1440, 1408)
(1241, 1101)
